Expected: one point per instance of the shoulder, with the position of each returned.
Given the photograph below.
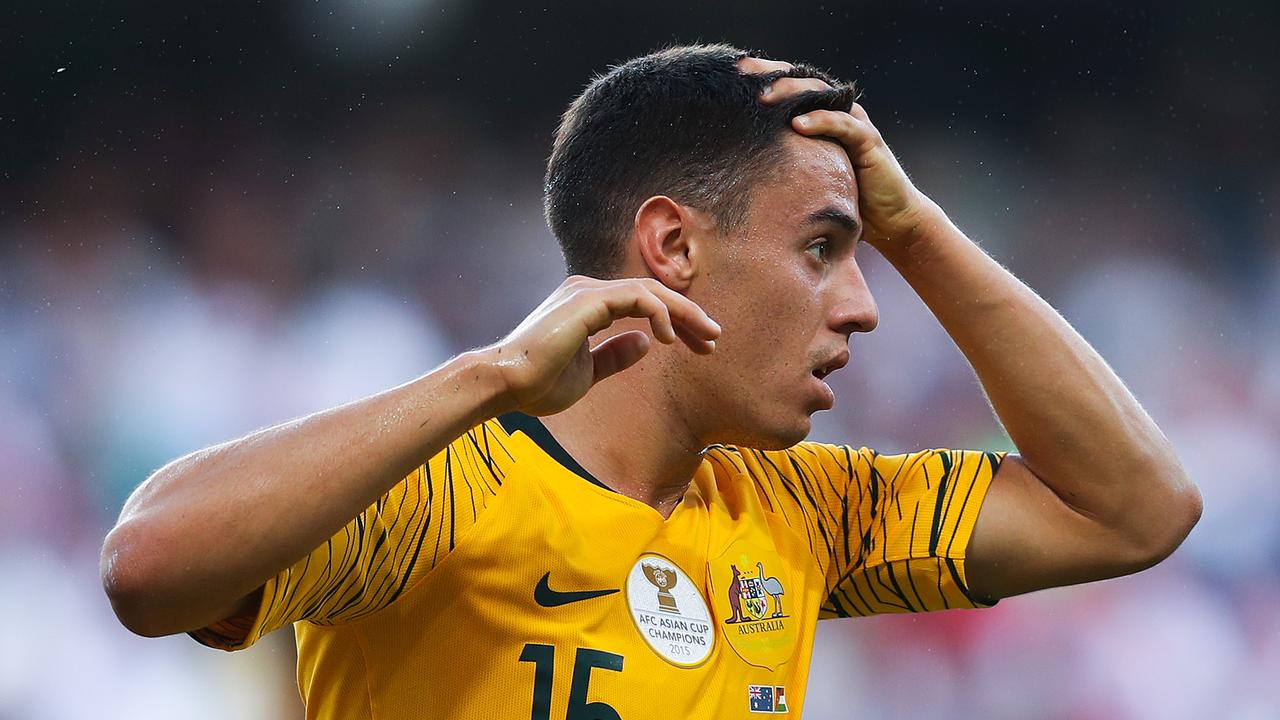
(481, 456)
(491, 440)
(800, 460)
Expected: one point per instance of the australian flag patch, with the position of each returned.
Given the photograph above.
(767, 698)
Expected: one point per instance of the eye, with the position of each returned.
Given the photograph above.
(821, 249)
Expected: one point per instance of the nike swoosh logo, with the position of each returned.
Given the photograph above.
(548, 598)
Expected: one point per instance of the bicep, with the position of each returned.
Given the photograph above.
(1028, 538)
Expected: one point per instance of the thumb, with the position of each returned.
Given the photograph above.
(619, 353)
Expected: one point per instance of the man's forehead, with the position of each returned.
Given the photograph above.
(816, 174)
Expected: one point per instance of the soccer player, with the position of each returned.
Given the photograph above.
(612, 512)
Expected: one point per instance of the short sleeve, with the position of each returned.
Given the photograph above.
(381, 553)
(890, 532)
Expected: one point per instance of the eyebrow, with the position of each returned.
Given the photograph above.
(835, 215)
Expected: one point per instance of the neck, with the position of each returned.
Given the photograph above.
(627, 436)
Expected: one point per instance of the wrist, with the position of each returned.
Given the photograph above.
(930, 231)
(480, 374)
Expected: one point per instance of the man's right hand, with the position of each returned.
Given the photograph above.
(547, 363)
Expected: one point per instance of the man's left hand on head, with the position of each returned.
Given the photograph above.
(893, 211)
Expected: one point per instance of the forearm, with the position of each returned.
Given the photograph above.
(1075, 424)
(209, 528)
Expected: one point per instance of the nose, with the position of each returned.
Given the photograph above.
(853, 309)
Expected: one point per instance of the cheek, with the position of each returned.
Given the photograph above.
(769, 309)
(773, 327)
(785, 306)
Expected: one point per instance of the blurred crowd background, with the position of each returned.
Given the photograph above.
(217, 217)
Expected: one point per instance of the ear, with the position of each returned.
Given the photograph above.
(666, 236)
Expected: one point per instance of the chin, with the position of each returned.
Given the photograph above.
(771, 433)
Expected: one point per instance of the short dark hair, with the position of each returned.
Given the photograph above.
(683, 122)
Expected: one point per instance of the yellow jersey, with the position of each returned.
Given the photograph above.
(501, 580)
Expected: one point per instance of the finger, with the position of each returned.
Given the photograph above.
(619, 353)
(639, 302)
(783, 88)
(852, 132)
(700, 345)
(609, 302)
(758, 66)
(691, 323)
(672, 316)
(685, 312)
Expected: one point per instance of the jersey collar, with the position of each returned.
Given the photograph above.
(541, 436)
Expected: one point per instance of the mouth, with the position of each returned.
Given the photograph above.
(832, 365)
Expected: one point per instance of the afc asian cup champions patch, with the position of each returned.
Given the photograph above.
(669, 611)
